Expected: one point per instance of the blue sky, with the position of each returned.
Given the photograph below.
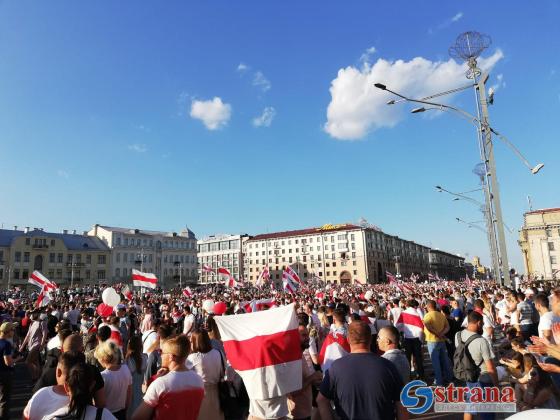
(214, 115)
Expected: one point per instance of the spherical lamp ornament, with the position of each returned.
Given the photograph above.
(220, 308)
(208, 305)
(110, 297)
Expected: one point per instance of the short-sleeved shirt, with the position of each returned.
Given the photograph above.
(480, 351)
(437, 322)
(363, 386)
(44, 402)
(6, 349)
(90, 414)
(207, 365)
(116, 387)
(545, 323)
(176, 396)
(398, 358)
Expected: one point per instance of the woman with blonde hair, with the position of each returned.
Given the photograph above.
(117, 378)
(209, 363)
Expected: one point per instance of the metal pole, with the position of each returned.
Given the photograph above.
(495, 194)
(181, 276)
(72, 275)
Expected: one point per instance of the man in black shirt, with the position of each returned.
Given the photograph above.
(362, 385)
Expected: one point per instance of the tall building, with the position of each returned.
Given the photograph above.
(446, 265)
(66, 258)
(220, 251)
(171, 256)
(539, 240)
(344, 253)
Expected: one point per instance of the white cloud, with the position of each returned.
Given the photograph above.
(214, 113)
(63, 174)
(260, 81)
(138, 148)
(265, 119)
(365, 58)
(358, 107)
(242, 67)
(457, 17)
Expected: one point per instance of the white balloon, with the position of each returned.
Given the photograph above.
(342, 290)
(110, 297)
(208, 305)
(368, 295)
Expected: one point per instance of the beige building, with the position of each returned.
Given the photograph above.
(65, 257)
(344, 253)
(220, 251)
(171, 256)
(539, 240)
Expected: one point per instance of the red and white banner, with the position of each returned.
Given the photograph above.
(334, 347)
(263, 277)
(38, 279)
(187, 292)
(290, 272)
(207, 269)
(288, 284)
(390, 278)
(263, 347)
(229, 281)
(44, 297)
(410, 323)
(127, 292)
(140, 279)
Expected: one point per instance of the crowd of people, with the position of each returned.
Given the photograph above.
(160, 354)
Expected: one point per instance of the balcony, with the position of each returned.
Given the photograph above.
(39, 246)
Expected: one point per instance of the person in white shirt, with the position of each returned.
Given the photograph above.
(72, 315)
(49, 399)
(189, 322)
(117, 377)
(150, 336)
(209, 363)
(547, 318)
(77, 385)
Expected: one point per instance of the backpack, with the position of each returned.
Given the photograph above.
(464, 367)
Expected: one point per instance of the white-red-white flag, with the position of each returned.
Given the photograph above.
(263, 347)
(263, 277)
(187, 292)
(334, 347)
(44, 297)
(41, 281)
(290, 272)
(229, 281)
(127, 292)
(206, 268)
(431, 277)
(141, 279)
(288, 284)
(390, 277)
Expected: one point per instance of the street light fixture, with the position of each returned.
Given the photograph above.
(468, 47)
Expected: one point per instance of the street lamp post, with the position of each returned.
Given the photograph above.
(468, 47)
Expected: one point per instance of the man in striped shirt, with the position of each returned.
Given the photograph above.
(412, 327)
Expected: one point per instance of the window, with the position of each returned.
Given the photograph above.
(25, 274)
(88, 274)
(52, 242)
(551, 246)
(26, 257)
(79, 258)
(125, 241)
(88, 259)
(18, 256)
(59, 258)
(69, 258)
(119, 241)
(27, 241)
(150, 258)
(16, 274)
(52, 258)
(101, 275)
(125, 257)
(352, 237)
(552, 259)
(117, 272)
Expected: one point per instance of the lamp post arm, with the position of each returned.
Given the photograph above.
(512, 147)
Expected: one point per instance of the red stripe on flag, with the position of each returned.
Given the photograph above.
(410, 319)
(144, 279)
(263, 350)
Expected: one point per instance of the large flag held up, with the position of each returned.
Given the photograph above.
(263, 347)
(141, 279)
(263, 277)
(41, 281)
(291, 273)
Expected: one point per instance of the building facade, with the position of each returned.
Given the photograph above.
(66, 258)
(171, 256)
(539, 240)
(447, 266)
(344, 253)
(220, 251)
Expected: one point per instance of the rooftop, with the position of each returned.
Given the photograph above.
(72, 241)
(309, 231)
(541, 211)
(185, 233)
